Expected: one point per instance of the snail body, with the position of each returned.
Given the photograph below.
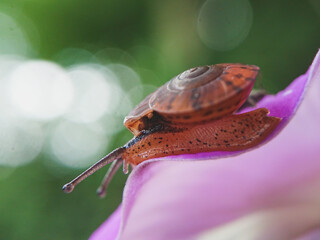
(232, 133)
(191, 113)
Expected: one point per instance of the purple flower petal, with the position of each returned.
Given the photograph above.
(313, 235)
(109, 229)
(269, 193)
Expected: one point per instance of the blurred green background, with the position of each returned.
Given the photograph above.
(134, 47)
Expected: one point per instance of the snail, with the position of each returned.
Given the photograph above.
(193, 112)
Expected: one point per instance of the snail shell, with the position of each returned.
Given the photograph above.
(197, 95)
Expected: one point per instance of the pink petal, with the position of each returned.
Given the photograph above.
(182, 199)
(109, 229)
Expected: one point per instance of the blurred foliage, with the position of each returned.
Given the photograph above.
(161, 37)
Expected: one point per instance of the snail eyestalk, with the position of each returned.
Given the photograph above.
(125, 167)
(107, 178)
(113, 156)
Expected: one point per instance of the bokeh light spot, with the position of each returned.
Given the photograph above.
(67, 56)
(20, 142)
(138, 93)
(93, 94)
(128, 78)
(41, 90)
(77, 145)
(115, 55)
(224, 24)
(12, 38)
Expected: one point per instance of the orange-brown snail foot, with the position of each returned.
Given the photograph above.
(232, 133)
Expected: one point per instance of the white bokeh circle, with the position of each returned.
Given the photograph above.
(41, 90)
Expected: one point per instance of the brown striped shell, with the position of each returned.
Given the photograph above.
(195, 96)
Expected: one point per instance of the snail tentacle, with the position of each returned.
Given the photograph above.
(114, 155)
(101, 191)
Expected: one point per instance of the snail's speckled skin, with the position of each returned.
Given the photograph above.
(191, 113)
(232, 133)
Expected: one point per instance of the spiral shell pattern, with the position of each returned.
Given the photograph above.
(195, 96)
(204, 93)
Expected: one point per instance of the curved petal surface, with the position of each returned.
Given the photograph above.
(255, 193)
